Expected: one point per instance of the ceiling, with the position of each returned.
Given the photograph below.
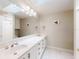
(50, 6)
(4, 3)
(43, 7)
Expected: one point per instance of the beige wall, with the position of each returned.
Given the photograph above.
(58, 35)
(32, 28)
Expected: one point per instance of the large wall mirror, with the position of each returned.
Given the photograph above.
(17, 21)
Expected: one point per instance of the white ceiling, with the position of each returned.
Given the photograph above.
(50, 6)
(4, 3)
(12, 8)
(43, 6)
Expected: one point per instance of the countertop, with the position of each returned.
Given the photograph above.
(27, 44)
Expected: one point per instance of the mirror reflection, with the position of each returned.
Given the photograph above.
(17, 20)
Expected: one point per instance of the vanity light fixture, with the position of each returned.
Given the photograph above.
(27, 8)
(32, 13)
(29, 11)
(35, 13)
(32, 10)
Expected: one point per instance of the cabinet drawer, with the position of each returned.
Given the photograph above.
(25, 56)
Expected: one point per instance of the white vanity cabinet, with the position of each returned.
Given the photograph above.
(40, 48)
(31, 54)
(36, 52)
(76, 50)
(24, 56)
(6, 27)
(43, 45)
(27, 55)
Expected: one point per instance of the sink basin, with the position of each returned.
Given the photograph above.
(15, 50)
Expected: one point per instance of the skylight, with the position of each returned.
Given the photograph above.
(12, 8)
(40, 2)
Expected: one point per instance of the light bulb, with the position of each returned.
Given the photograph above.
(32, 10)
(27, 8)
(27, 12)
(30, 14)
(34, 13)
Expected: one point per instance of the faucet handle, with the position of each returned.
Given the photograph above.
(15, 43)
(12, 45)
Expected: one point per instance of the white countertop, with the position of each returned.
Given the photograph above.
(27, 44)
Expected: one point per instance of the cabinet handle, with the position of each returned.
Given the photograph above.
(29, 55)
(42, 47)
(39, 44)
(42, 43)
(38, 48)
(42, 40)
(39, 53)
(15, 53)
(77, 49)
(23, 58)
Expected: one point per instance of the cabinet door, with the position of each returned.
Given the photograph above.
(1, 28)
(43, 44)
(8, 29)
(25, 56)
(33, 53)
(77, 19)
(39, 49)
(76, 48)
(77, 4)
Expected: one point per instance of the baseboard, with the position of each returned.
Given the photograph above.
(61, 49)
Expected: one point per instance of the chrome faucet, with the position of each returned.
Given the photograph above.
(14, 44)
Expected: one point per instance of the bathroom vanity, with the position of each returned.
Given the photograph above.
(31, 47)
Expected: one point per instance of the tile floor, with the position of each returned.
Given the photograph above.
(56, 54)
